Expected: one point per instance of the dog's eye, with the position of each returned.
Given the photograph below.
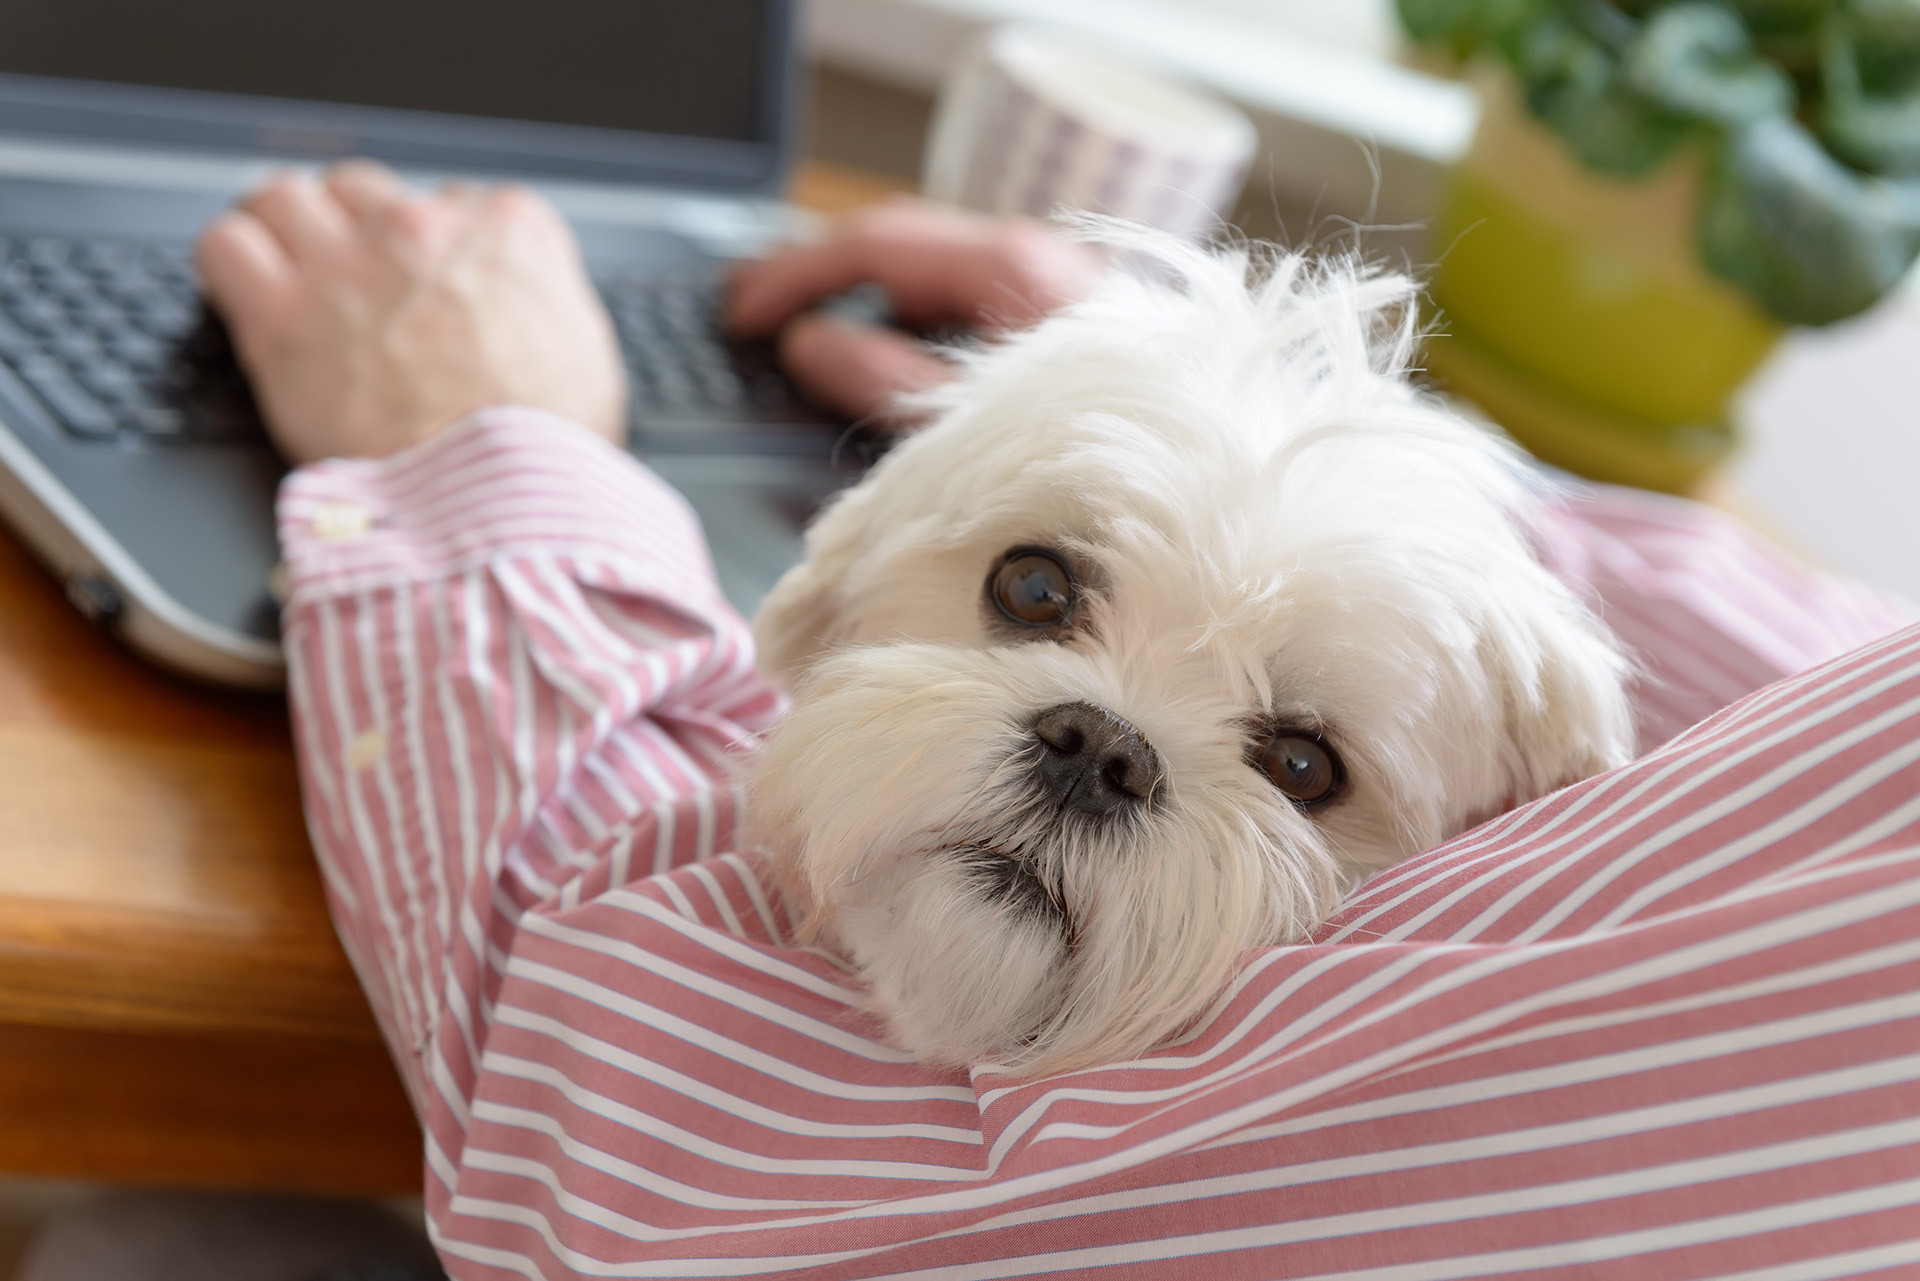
(1031, 587)
(1300, 765)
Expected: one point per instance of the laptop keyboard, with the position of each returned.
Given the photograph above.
(113, 341)
(677, 359)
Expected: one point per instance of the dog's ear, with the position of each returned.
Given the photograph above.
(805, 613)
(1563, 682)
(797, 620)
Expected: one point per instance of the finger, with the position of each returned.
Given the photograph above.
(518, 205)
(244, 269)
(405, 223)
(860, 370)
(524, 223)
(464, 202)
(941, 266)
(366, 190)
(301, 213)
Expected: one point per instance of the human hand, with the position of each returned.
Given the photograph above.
(940, 266)
(369, 316)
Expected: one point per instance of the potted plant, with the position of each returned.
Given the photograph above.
(1656, 190)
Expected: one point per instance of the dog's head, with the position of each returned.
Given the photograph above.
(1186, 613)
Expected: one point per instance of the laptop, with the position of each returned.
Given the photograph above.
(132, 458)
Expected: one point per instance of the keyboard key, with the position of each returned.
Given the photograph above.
(168, 383)
(724, 392)
(141, 352)
(106, 259)
(67, 284)
(112, 383)
(684, 328)
(770, 391)
(76, 347)
(131, 285)
(164, 317)
(650, 349)
(45, 251)
(39, 315)
(15, 342)
(77, 411)
(101, 315)
(672, 388)
(167, 257)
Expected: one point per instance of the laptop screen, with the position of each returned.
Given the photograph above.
(601, 88)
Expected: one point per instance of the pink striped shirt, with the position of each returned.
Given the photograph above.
(1661, 1024)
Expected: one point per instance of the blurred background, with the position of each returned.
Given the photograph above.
(1358, 129)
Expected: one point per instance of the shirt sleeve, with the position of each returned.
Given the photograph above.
(507, 655)
(1660, 1024)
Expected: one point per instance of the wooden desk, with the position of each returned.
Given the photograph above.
(174, 1007)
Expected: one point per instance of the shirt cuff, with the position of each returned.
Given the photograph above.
(504, 482)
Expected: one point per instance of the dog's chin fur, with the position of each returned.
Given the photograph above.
(1267, 525)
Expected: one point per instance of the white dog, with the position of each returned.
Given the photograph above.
(1186, 614)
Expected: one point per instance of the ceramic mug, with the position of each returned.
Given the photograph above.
(1030, 122)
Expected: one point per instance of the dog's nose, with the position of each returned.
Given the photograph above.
(1094, 761)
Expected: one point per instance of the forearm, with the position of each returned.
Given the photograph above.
(503, 645)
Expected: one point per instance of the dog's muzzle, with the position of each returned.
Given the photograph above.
(1093, 761)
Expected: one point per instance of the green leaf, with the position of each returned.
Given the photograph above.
(1878, 134)
(1771, 16)
(1604, 20)
(1869, 114)
(1573, 84)
(1889, 25)
(1786, 32)
(1696, 60)
(1466, 25)
(1439, 21)
(1813, 241)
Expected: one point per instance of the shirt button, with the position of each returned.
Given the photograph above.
(367, 749)
(340, 521)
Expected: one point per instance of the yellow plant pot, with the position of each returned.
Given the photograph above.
(1573, 309)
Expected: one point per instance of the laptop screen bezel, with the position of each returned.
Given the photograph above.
(307, 131)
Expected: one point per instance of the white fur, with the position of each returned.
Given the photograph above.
(1275, 525)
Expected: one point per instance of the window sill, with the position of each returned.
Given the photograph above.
(1328, 115)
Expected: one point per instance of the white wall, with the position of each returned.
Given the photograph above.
(1833, 457)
